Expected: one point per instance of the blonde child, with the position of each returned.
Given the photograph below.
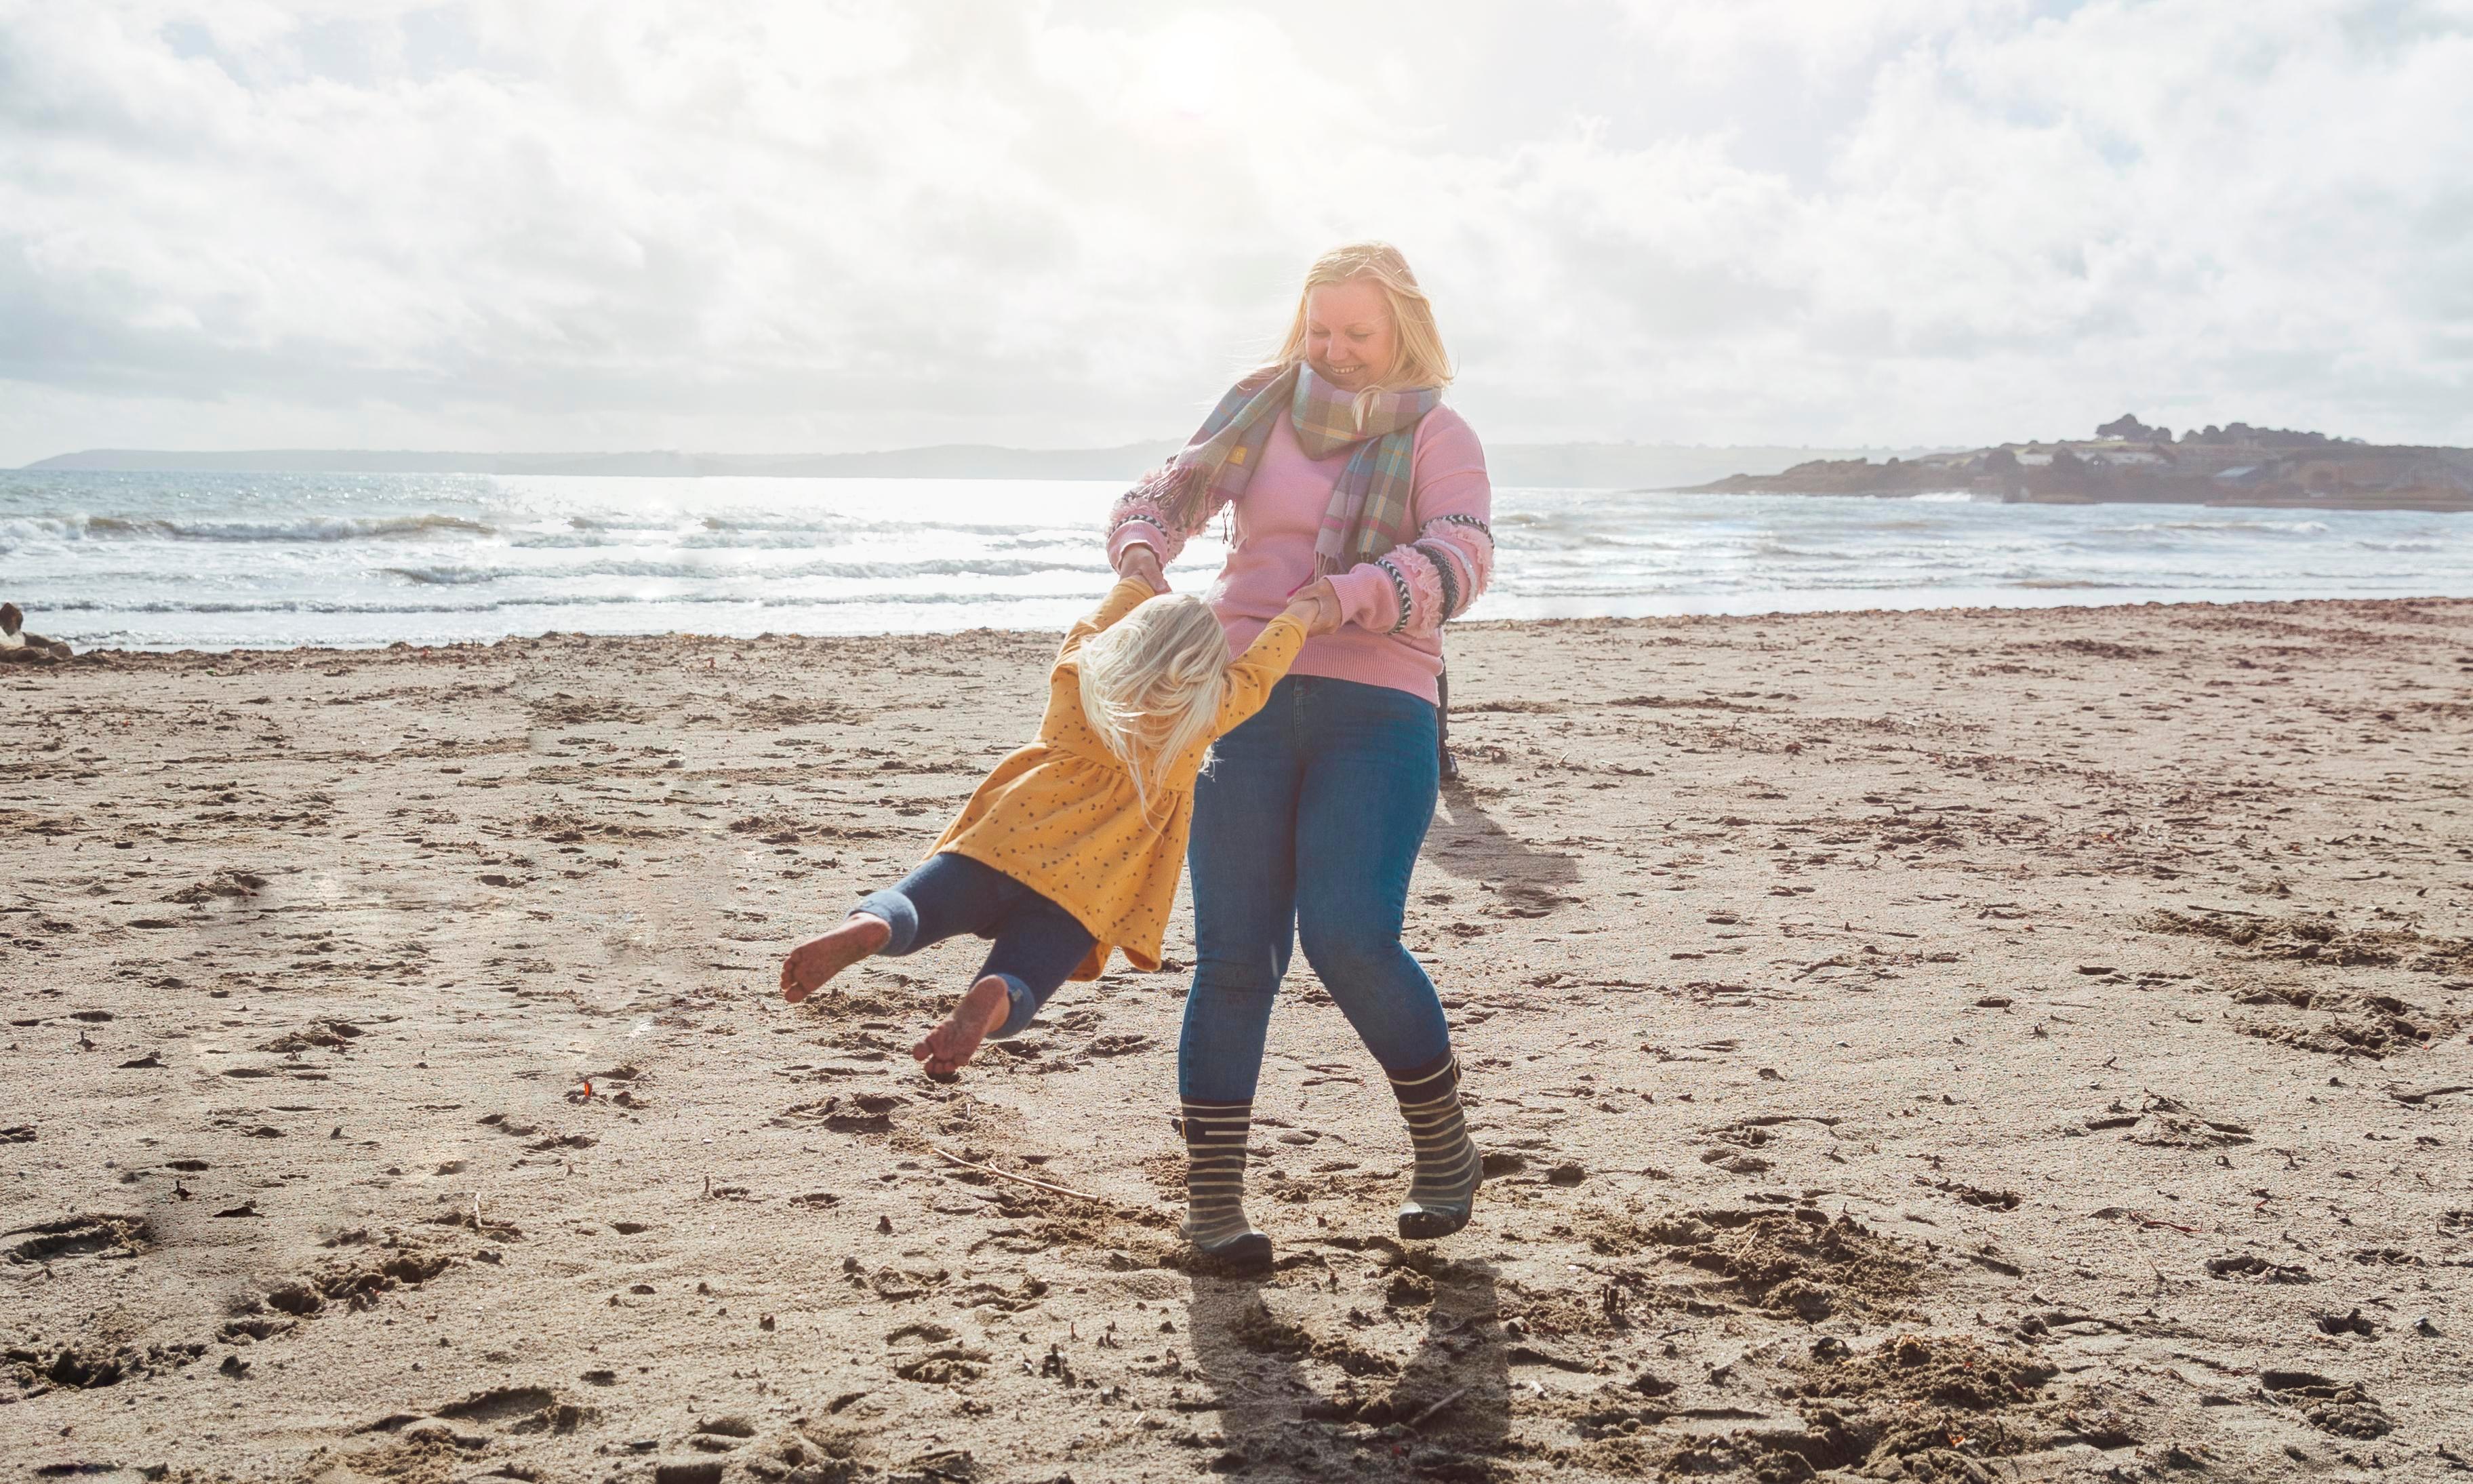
(1071, 847)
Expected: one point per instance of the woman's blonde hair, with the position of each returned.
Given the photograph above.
(1151, 686)
(1418, 359)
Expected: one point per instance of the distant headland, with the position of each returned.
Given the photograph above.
(2130, 461)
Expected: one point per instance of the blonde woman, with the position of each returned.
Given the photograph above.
(1339, 463)
(1071, 847)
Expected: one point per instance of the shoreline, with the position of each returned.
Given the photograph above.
(2057, 602)
(2023, 1037)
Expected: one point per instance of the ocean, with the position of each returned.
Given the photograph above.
(214, 561)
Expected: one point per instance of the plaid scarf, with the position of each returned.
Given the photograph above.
(1370, 506)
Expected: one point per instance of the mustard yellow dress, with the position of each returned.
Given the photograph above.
(1061, 816)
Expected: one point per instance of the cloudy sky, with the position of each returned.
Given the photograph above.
(631, 223)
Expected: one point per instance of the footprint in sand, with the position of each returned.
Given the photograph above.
(79, 1235)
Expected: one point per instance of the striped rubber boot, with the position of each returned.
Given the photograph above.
(1214, 1186)
(1444, 1189)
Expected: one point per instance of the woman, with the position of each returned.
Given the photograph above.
(1337, 461)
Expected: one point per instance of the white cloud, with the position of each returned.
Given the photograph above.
(811, 226)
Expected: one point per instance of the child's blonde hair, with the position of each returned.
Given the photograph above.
(1151, 686)
(1421, 359)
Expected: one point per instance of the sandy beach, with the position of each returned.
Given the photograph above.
(1942, 1046)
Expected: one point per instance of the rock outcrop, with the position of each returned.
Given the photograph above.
(2129, 461)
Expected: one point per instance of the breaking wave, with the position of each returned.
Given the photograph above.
(321, 529)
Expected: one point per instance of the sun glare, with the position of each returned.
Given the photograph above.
(1188, 64)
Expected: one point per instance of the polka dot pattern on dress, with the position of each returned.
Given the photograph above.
(1061, 816)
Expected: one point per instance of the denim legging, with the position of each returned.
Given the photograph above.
(1305, 831)
(1037, 942)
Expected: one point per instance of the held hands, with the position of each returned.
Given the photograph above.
(1142, 561)
(1317, 607)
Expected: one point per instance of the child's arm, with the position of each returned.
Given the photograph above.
(1315, 610)
(1129, 594)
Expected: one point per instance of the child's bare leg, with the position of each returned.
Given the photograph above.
(978, 1015)
(812, 963)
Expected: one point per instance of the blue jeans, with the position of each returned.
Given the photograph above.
(1305, 831)
(1037, 942)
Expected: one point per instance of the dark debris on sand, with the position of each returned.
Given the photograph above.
(1801, 1262)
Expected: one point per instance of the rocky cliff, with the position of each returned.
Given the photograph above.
(2129, 461)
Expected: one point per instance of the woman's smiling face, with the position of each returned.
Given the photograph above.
(1350, 341)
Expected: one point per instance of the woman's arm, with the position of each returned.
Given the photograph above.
(1415, 587)
(1140, 518)
(1141, 536)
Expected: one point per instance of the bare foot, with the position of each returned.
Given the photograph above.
(981, 1011)
(812, 963)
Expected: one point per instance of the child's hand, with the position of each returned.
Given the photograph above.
(1317, 607)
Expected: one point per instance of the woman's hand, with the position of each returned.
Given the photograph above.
(1139, 561)
(1317, 607)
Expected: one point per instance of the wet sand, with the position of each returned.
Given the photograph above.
(2018, 1045)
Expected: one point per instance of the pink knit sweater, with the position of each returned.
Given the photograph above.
(1395, 605)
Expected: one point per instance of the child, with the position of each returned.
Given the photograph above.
(1072, 846)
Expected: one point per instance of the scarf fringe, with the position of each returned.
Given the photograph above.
(1372, 502)
(1182, 490)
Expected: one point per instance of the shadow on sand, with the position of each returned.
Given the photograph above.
(1260, 1342)
(1469, 844)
